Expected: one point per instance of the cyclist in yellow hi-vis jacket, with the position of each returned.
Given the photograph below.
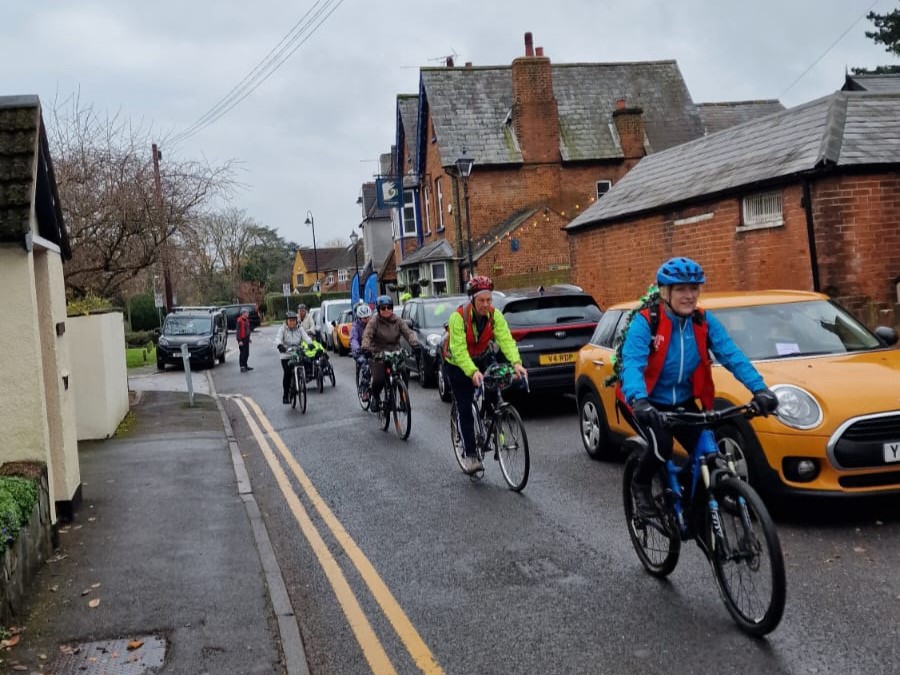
(473, 330)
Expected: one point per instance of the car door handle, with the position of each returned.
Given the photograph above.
(598, 362)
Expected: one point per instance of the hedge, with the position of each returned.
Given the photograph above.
(17, 499)
(140, 338)
(275, 302)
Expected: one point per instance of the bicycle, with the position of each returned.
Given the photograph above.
(498, 428)
(297, 391)
(363, 382)
(320, 365)
(707, 501)
(395, 403)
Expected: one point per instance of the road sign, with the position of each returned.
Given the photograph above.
(286, 289)
(158, 300)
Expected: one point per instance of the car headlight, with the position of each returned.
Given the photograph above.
(797, 408)
(201, 343)
(433, 340)
(163, 341)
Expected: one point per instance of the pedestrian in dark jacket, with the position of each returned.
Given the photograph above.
(243, 338)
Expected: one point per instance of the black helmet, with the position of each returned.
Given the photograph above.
(290, 315)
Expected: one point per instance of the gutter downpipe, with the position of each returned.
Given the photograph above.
(811, 234)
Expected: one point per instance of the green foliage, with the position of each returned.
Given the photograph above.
(887, 30)
(135, 358)
(17, 499)
(877, 70)
(647, 300)
(143, 338)
(86, 304)
(144, 315)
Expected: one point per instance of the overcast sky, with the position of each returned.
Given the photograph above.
(310, 135)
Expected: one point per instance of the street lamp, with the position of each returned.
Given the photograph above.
(353, 239)
(312, 223)
(464, 169)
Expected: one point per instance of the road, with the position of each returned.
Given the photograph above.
(397, 562)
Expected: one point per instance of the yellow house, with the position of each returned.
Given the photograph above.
(304, 273)
(37, 407)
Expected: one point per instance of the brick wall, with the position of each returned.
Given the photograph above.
(857, 242)
(534, 112)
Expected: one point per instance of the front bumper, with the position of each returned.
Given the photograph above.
(172, 354)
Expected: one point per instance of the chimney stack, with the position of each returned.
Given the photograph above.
(630, 127)
(539, 51)
(449, 61)
(529, 45)
(535, 115)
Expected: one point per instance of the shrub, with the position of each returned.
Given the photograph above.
(144, 315)
(87, 304)
(139, 339)
(17, 499)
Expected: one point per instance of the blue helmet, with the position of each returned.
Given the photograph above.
(680, 271)
(384, 301)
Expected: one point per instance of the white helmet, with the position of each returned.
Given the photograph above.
(363, 312)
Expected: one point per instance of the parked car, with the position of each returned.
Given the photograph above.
(550, 325)
(837, 429)
(330, 313)
(426, 317)
(204, 331)
(314, 315)
(232, 312)
(340, 332)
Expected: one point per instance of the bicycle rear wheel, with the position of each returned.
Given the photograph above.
(331, 375)
(747, 558)
(320, 379)
(362, 391)
(511, 443)
(402, 410)
(657, 541)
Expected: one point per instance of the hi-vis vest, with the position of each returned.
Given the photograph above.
(477, 346)
(702, 385)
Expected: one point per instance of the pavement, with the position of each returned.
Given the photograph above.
(167, 566)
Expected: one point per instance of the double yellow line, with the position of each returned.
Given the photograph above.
(368, 641)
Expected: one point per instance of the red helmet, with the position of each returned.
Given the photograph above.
(479, 283)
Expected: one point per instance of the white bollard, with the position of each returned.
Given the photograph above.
(186, 358)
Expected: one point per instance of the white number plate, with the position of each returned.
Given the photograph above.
(892, 452)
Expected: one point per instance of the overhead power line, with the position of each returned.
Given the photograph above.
(299, 33)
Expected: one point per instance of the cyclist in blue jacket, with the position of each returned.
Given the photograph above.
(670, 368)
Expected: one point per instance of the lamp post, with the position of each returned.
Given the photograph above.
(354, 238)
(464, 169)
(312, 223)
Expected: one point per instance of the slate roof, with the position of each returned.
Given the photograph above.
(843, 129)
(331, 258)
(370, 203)
(470, 107)
(885, 83)
(26, 174)
(408, 112)
(727, 114)
(438, 250)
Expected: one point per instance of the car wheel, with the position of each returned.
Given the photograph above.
(160, 365)
(594, 429)
(222, 356)
(425, 379)
(442, 385)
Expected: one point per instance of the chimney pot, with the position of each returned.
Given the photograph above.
(539, 51)
(449, 61)
(468, 64)
(529, 44)
(620, 104)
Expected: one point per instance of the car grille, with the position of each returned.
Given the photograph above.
(861, 443)
(890, 479)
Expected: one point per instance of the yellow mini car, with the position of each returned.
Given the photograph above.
(340, 333)
(837, 429)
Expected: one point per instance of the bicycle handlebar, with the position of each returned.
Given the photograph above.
(708, 417)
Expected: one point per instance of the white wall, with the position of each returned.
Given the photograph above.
(99, 380)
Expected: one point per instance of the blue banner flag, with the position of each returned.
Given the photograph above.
(354, 290)
(388, 192)
(371, 290)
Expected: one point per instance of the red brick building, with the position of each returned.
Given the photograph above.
(545, 142)
(808, 198)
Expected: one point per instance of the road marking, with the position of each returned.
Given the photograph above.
(407, 633)
(372, 649)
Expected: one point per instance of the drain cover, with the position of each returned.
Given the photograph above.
(110, 657)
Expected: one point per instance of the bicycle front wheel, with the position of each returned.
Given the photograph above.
(511, 443)
(384, 412)
(656, 541)
(746, 558)
(362, 391)
(301, 388)
(320, 380)
(456, 436)
(402, 410)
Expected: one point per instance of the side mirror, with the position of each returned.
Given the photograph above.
(887, 335)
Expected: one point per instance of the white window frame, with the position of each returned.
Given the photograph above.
(605, 185)
(427, 198)
(440, 204)
(329, 280)
(438, 278)
(408, 220)
(761, 210)
(342, 275)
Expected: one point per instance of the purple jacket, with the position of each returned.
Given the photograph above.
(356, 333)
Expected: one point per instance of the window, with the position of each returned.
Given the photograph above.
(762, 210)
(439, 278)
(605, 333)
(440, 204)
(342, 275)
(412, 275)
(299, 280)
(603, 187)
(408, 214)
(330, 279)
(427, 194)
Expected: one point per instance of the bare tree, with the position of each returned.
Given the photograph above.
(117, 225)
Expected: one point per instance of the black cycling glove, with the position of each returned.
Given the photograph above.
(645, 413)
(765, 401)
(282, 348)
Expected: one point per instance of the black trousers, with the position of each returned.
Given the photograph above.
(661, 440)
(288, 374)
(244, 351)
(463, 393)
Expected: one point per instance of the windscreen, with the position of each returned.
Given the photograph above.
(549, 310)
(187, 325)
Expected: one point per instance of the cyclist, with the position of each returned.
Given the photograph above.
(382, 334)
(472, 329)
(290, 334)
(363, 314)
(305, 319)
(666, 365)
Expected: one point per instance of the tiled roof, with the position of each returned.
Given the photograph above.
(726, 114)
(843, 129)
(370, 203)
(438, 250)
(886, 83)
(408, 111)
(470, 107)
